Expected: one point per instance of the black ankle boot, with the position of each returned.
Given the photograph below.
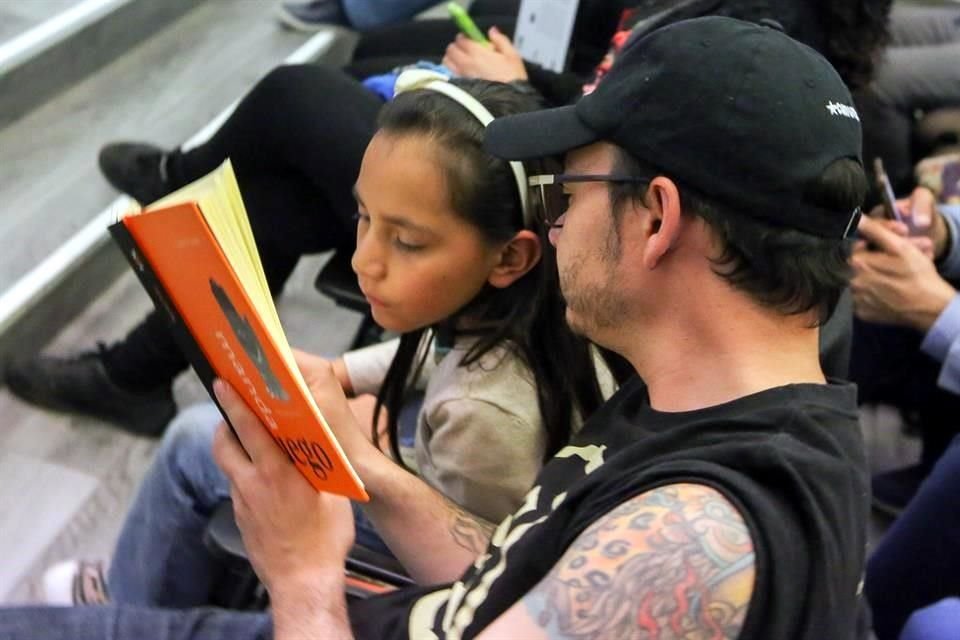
(138, 170)
(80, 384)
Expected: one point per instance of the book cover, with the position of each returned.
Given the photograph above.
(217, 324)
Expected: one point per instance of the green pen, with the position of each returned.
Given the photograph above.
(466, 23)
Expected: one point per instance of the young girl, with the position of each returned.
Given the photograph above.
(450, 255)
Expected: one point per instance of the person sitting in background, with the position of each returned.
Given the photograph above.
(721, 493)
(906, 349)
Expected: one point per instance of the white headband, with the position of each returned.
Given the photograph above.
(425, 79)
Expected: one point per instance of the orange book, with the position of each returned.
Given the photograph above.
(195, 255)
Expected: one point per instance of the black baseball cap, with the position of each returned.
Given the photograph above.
(735, 110)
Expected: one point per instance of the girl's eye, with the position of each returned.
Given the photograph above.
(409, 247)
(361, 217)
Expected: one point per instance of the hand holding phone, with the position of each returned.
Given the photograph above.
(465, 23)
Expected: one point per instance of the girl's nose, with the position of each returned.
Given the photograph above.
(367, 261)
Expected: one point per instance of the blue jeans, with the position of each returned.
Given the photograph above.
(160, 558)
(369, 14)
(131, 623)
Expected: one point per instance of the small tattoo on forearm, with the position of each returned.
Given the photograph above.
(469, 532)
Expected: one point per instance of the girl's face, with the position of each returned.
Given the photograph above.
(417, 261)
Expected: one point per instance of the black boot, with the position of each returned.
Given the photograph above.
(80, 384)
(138, 170)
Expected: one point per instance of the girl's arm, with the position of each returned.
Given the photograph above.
(365, 368)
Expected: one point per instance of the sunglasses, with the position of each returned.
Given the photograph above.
(548, 196)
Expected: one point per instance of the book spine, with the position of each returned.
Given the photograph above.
(161, 300)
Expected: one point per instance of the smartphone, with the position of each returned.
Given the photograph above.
(890, 210)
(465, 23)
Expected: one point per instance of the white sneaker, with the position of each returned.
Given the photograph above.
(75, 582)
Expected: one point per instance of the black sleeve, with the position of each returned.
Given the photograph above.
(558, 89)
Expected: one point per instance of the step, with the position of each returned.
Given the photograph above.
(55, 206)
(39, 58)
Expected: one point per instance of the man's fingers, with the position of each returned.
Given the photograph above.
(251, 432)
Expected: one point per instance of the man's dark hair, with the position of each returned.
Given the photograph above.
(779, 267)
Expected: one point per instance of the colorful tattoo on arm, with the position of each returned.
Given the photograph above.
(675, 562)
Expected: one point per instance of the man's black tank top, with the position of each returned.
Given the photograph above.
(790, 458)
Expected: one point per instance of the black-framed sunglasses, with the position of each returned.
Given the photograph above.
(550, 200)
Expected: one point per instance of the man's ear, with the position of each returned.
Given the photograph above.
(663, 203)
(515, 259)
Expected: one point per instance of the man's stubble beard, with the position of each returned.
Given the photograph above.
(595, 307)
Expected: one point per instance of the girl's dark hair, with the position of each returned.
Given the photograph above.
(857, 32)
(528, 316)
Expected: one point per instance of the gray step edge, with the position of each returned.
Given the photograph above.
(68, 47)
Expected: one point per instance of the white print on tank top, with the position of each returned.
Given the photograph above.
(462, 603)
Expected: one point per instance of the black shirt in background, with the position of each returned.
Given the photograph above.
(790, 458)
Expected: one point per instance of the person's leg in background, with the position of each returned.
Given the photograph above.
(889, 368)
(131, 623)
(411, 42)
(160, 559)
(918, 71)
(939, 621)
(917, 26)
(313, 15)
(296, 153)
(917, 562)
(370, 14)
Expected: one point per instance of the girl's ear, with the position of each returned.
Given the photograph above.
(663, 203)
(515, 259)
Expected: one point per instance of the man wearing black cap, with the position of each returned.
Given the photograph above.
(700, 224)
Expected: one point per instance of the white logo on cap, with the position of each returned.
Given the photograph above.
(837, 109)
